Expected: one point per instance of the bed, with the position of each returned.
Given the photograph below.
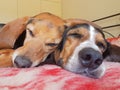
(52, 77)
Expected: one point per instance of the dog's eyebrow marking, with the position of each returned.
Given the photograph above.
(30, 21)
(100, 31)
(80, 25)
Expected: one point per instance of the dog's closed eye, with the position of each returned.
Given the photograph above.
(51, 44)
(76, 35)
(101, 45)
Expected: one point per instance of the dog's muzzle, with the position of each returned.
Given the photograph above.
(22, 62)
(91, 60)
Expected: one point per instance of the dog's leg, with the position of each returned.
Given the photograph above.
(6, 58)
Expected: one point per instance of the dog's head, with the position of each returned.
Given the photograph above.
(42, 37)
(81, 50)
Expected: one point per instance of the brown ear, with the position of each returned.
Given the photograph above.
(107, 51)
(57, 55)
(58, 59)
(11, 31)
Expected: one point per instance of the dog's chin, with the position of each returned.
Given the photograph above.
(92, 73)
(96, 73)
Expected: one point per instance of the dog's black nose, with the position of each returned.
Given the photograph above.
(90, 58)
(22, 62)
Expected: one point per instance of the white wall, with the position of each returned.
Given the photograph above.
(93, 9)
(89, 9)
(12, 9)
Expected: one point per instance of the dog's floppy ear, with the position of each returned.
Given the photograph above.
(107, 51)
(20, 40)
(112, 53)
(11, 31)
(57, 52)
(57, 58)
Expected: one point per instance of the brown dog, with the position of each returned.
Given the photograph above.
(35, 38)
(82, 47)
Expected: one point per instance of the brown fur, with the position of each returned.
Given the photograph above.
(11, 31)
(47, 28)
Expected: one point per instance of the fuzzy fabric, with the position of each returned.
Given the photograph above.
(115, 41)
(52, 77)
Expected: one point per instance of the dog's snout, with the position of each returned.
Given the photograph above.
(90, 58)
(22, 62)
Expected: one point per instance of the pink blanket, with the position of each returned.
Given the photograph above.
(51, 77)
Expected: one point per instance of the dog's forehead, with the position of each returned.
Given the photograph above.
(74, 23)
(37, 24)
(85, 27)
(53, 18)
(97, 31)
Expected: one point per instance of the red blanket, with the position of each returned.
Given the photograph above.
(51, 77)
(115, 41)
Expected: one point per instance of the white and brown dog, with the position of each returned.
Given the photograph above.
(82, 48)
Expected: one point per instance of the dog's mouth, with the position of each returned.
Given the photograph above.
(88, 72)
(96, 73)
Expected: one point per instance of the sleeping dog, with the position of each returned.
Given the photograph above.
(82, 48)
(32, 39)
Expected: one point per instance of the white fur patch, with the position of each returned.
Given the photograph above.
(14, 56)
(30, 27)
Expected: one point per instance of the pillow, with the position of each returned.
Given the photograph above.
(115, 41)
